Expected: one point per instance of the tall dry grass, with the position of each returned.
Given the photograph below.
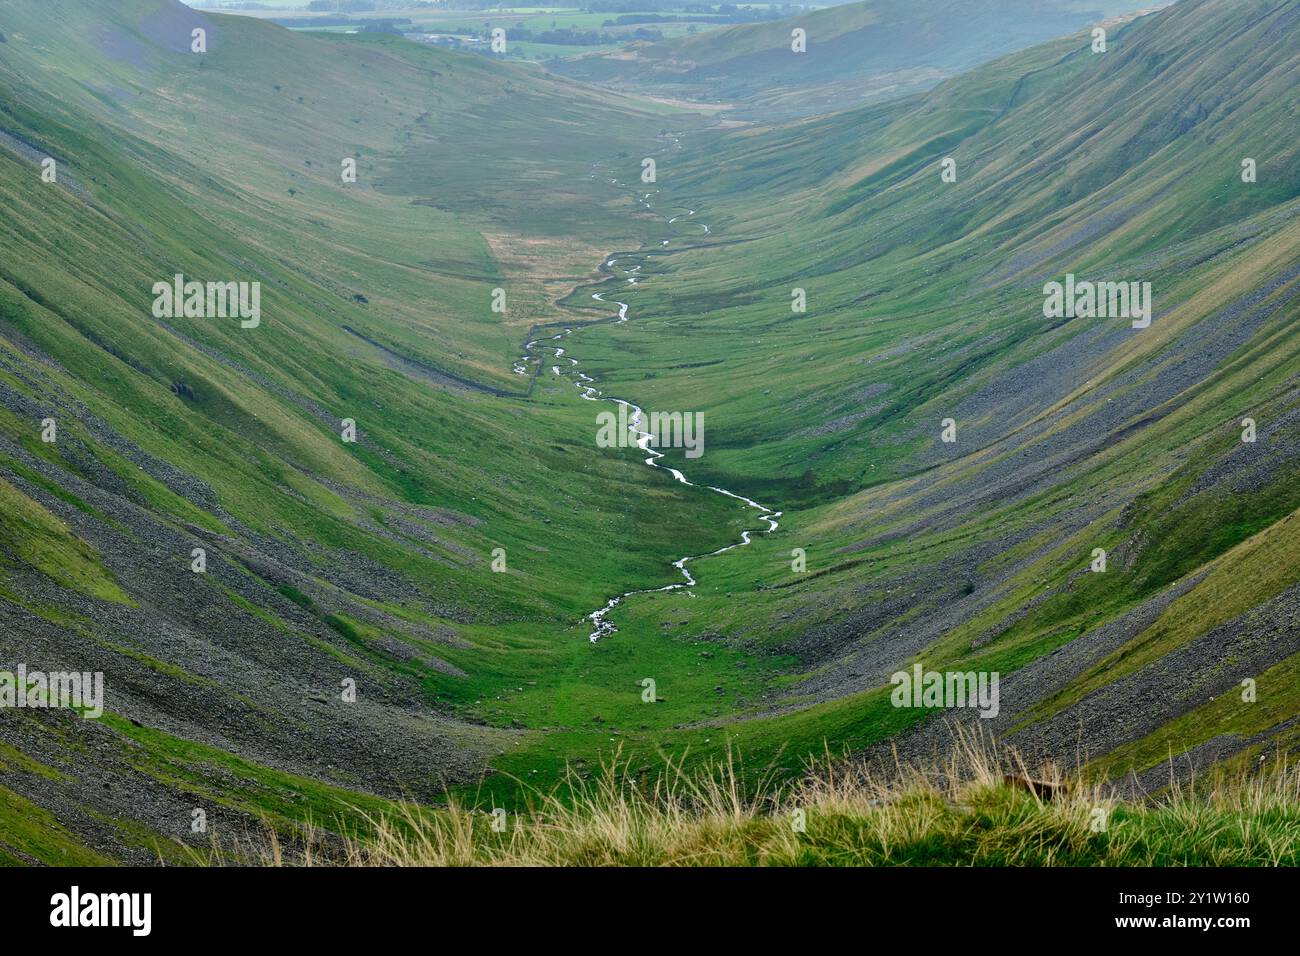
(980, 805)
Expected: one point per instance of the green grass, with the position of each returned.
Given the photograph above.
(36, 538)
(32, 833)
(839, 817)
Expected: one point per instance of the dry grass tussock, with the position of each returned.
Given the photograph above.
(981, 805)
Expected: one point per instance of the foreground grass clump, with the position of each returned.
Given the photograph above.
(976, 808)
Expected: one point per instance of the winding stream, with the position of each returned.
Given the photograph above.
(532, 351)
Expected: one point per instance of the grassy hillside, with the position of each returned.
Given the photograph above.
(326, 560)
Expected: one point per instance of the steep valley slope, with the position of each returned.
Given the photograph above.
(133, 441)
(925, 307)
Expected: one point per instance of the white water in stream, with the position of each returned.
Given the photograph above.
(600, 618)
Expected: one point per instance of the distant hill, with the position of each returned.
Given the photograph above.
(856, 52)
